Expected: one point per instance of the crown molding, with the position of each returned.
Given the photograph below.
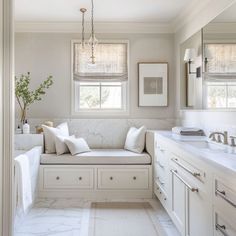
(220, 28)
(191, 11)
(101, 27)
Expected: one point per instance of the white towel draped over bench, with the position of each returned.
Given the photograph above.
(98, 157)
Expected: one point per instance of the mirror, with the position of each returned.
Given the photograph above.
(208, 65)
(219, 61)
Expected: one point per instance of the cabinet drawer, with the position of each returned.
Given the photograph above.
(160, 175)
(224, 194)
(56, 178)
(224, 227)
(123, 179)
(188, 168)
(161, 195)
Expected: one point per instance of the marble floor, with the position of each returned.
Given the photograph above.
(71, 217)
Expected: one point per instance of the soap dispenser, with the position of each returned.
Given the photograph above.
(26, 127)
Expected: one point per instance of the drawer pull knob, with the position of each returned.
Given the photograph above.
(111, 178)
(160, 192)
(134, 178)
(164, 199)
(80, 178)
(57, 178)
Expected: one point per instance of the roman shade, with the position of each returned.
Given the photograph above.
(111, 63)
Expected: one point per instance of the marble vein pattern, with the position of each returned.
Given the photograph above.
(71, 217)
(106, 133)
(61, 217)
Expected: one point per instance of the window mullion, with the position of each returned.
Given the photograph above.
(100, 91)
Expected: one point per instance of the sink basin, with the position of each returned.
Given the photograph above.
(207, 145)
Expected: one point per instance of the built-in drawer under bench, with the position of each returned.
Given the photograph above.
(95, 180)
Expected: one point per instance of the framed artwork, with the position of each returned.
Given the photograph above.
(153, 84)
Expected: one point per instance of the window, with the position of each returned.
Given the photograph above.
(220, 76)
(100, 88)
(221, 94)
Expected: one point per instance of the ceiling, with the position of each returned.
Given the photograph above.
(158, 11)
(229, 15)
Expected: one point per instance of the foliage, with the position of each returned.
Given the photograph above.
(90, 97)
(25, 97)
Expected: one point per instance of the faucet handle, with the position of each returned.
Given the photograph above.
(219, 139)
(232, 142)
(213, 137)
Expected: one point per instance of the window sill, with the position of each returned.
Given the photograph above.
(100, 113)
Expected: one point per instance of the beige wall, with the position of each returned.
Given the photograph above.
(49, 53)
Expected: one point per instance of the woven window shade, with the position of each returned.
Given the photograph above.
(111, 63)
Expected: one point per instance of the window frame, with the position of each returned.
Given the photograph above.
(104, 112)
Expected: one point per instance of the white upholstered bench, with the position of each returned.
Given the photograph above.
(99, 174)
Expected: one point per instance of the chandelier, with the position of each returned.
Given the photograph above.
(92, 42)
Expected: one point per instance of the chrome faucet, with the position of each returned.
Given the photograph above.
(219, 134)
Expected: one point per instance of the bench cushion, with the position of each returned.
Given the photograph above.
(98, 157)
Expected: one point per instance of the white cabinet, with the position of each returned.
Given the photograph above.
(188, 188)
(224, 205)
(161, 173)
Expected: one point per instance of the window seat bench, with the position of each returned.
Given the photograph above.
(99, 174)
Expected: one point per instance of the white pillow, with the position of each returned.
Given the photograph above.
(50, 133)
(60, 144)
(135, 139)
(77, 145)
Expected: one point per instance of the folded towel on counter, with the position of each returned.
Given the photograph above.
(23, 182)
(188, 131)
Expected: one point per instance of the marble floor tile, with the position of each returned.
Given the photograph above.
(70, 217)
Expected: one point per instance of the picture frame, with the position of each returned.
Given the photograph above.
(153, 84)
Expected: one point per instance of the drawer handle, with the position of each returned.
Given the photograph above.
(111, 178)
(80, 178)
(57, 178)
(195, 174)
(222, 229)
(134, 178)
(175, 172)
(222, 194)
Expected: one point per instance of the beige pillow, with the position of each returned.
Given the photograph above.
(135, 139)
(50, 133)
(60, 144)
(77, 145)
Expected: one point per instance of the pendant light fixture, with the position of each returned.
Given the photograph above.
(82, 45)
(92, 41)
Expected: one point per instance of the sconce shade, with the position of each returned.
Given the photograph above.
(190, 54)
(208, 54)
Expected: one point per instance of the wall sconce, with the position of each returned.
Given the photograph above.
(189, 57)
(207, 56)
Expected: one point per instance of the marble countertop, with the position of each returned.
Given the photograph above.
(224, 161)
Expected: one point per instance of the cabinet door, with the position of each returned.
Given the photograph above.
(178, 203)
(191, 210)
(199, 215)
